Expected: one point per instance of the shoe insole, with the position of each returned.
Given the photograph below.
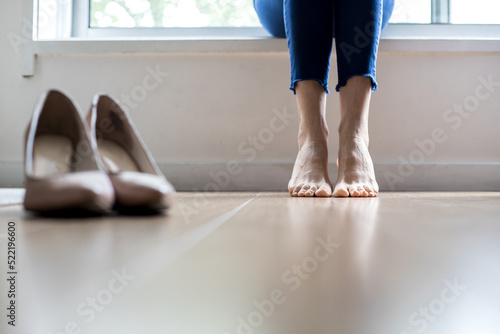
(51, 155)
(116, 158)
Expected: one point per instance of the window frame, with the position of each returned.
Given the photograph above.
(440, 11)
(81, 28)
(440, 14)
(395, 38)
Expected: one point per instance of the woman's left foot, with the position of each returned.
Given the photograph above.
(356, 176)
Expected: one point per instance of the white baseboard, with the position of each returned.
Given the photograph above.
(274, 176)
(390, 176)
(11, 175)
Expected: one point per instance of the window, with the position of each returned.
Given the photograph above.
(59, 19)
(411, 11)
(446, 11)
(169, 26)
(474, 12)
(172, 13)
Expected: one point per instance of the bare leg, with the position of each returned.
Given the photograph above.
(356, 176)
(310, 172)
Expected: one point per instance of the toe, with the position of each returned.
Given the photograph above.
(362, 191)
(340, 191)
(323, 191)
(369, 190)
(296, 190)
(353, 191)
(311, 191)
(303, 190)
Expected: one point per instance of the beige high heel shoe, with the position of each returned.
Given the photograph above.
(137, 180)
(62, 168)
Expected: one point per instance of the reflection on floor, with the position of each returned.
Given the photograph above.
(262, 263)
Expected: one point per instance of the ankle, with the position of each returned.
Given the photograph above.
(313, 132)
(354, 133)
(353, 128)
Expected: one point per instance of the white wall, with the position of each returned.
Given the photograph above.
(210, 103)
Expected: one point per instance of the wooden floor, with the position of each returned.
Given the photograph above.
(247, 263)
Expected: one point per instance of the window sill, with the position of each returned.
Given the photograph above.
(395, 38)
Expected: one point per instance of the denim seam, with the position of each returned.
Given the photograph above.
(343, 82)
(324, 84)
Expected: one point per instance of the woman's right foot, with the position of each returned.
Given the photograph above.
(310, 172)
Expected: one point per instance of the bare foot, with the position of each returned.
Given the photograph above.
(356, 177)
(310, 172)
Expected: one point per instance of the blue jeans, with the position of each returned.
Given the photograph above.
(311, 25)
